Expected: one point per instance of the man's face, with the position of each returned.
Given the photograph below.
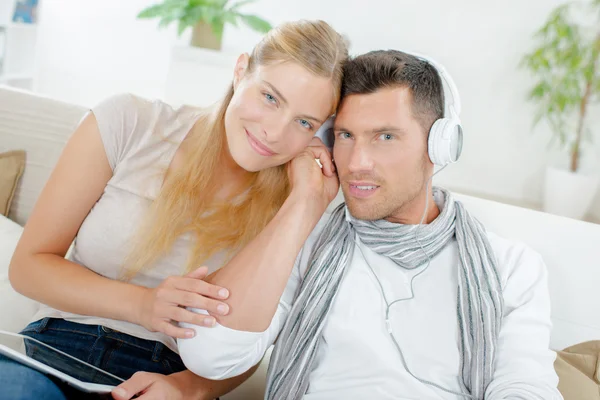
(380, 153)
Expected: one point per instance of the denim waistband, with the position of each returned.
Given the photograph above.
(158, 349)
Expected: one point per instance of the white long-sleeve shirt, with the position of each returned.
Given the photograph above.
(357, 359)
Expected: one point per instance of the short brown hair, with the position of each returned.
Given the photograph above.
(381, 69)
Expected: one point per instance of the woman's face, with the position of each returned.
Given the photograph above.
(274, 113)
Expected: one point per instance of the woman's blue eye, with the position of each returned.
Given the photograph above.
(270, 98)
(386, 136)
(305, 124)
(345, 135)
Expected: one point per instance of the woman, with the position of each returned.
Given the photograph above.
(150, 193)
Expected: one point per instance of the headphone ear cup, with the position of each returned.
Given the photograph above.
(434, 140)
(445, 141)
(325, 133)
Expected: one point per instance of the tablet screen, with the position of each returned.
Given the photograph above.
(58, 360)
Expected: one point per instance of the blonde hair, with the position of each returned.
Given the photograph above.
(186, 204)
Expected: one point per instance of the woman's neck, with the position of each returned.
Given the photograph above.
(235, 179)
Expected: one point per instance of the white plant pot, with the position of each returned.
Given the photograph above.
(567, 193)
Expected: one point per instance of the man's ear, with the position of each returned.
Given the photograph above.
(241, 67)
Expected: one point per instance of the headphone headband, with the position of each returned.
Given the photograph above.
(445, 136)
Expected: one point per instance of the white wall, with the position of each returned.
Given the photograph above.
(91, 49)
(88, 50)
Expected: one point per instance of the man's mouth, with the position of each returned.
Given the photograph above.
(362, 189)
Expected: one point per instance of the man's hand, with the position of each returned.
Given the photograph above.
(149, 386)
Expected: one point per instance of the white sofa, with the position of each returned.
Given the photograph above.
(570, 248)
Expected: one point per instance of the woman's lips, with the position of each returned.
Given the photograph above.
(259, 147)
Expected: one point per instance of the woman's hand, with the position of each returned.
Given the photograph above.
(149, 386)
(309, 179)
(163, 307)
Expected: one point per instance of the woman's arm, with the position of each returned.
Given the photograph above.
(39, 270)
(262, 277)
(258, 274)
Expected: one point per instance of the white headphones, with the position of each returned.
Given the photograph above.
(446, 135)
(325, 132)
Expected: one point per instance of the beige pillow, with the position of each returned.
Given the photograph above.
(578, 369)
(12, 165)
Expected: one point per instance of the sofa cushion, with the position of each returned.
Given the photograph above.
(12, 164)
(15, 309)
(578, 369)
(41, 127)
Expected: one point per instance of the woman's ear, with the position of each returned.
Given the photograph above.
(241, 66)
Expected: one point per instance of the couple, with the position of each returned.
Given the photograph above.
(397, 294)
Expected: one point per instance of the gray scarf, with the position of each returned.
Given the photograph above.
(480, 301)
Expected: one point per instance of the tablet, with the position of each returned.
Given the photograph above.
(67, 362)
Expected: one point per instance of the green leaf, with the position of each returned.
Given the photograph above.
(256, 23)
(166, 7)
(216, 13)
(564, 31)
(181, 27)
(196, 14)
(217, 28)
(239, 4)
(208, 3)
(214, 16)
(231, 18)
(561, 101)
(166, 21)
(152, 12)
(167, 12)
(539, 90)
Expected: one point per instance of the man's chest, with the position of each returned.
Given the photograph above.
(421, 314)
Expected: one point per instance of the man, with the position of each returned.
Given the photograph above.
(377, 305)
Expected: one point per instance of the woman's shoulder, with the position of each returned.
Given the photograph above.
(128, 105)
(127, 122)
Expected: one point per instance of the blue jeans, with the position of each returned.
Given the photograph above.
(120, 354)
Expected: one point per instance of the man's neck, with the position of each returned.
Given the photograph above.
(411, 213)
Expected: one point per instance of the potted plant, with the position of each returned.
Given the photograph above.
(566, 64)
(207, 18)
